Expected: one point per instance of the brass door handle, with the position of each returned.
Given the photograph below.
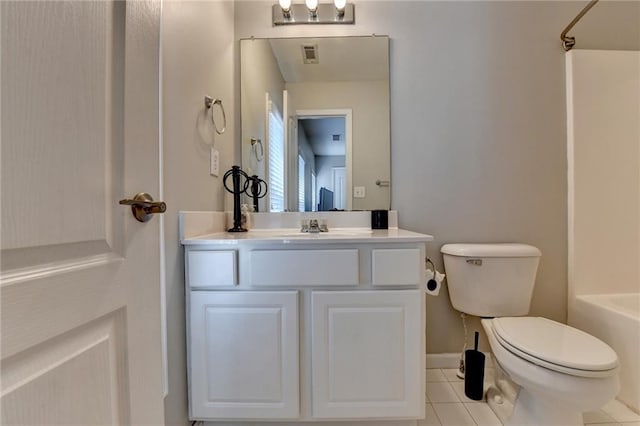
(143, 207)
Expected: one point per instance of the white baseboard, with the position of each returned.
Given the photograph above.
(450, 360)
(447, 360)
(357, 422)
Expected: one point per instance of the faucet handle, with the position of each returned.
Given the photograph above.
(305, 225)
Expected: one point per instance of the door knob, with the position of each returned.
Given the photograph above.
(143, 207)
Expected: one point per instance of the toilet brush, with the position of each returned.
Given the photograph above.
(474, 372)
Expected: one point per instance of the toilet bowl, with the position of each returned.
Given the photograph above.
(558, 371)
(561, 371)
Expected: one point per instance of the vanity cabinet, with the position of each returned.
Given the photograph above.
(312, 331)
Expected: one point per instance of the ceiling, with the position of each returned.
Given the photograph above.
(340, 59)
(320, 133)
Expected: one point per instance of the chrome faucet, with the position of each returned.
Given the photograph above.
(314, 226)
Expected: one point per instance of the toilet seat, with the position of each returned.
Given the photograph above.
(555, 346)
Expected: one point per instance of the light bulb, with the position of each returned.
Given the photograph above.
(285, 5)
(312, 5)
(340, 4)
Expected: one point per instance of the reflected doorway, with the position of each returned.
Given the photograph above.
(324, 160)
(339, 185)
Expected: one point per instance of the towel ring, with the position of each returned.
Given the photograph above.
(255, 143)
(209, 102)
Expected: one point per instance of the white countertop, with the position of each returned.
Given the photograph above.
(208, 228)
(294, 236)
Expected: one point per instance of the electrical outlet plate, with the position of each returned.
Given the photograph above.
(215, 162)
(358, 192)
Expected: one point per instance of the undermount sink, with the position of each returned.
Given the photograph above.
(330, 234)
(291, 233)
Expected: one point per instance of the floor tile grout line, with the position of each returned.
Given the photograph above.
(470, 415)
(463, 406)
(436, 413)
(453, 379)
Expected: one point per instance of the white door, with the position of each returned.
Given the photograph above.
(367, 352)
(243, 357)
(339, 186)
(80, 284)
(291, 150)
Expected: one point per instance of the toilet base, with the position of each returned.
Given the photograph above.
(541, 396)
(502, 393)
(537, 410)
(502, 407)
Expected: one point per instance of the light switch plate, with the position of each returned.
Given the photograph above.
(215, 162)
(358, 192)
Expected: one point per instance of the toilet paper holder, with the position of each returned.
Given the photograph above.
(433, 286)
(429, 262)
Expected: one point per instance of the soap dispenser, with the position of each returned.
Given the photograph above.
(245, 217)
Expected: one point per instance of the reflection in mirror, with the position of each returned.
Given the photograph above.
(322, 151)
(315, 121)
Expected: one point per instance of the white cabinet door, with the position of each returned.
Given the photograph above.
(368, 354)
(244, 355)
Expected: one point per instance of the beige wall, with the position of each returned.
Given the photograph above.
(488, 160)
(198, 52)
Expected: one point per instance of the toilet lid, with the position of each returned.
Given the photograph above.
(554, 345)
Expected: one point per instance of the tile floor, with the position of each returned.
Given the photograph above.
(448, 406)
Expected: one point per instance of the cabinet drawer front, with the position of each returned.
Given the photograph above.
(244, 355)
(394, 267)
(304, 267)
(212, 268)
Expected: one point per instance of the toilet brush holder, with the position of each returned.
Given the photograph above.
(474, 372)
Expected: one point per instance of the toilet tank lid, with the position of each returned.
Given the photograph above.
(491, 250)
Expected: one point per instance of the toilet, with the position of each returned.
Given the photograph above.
(547, 373)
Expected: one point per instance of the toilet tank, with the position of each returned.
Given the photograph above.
(491, 280)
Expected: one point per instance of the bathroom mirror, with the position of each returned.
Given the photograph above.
(315, 121)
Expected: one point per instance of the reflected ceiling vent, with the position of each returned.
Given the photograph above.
(336, 138)
(310, 54)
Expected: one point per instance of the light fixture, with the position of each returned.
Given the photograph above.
(312, 5)
(313, 12)
(285, 5)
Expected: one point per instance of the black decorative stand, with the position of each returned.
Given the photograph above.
(236, 173)
(258, 189)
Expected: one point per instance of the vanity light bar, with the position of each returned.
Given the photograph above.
(324, 13)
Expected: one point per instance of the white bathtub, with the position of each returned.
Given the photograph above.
(614, 319)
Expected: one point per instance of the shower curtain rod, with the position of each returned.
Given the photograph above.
(569, 42)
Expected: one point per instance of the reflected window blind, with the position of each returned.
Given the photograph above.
(300, 183)
(276, 159)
